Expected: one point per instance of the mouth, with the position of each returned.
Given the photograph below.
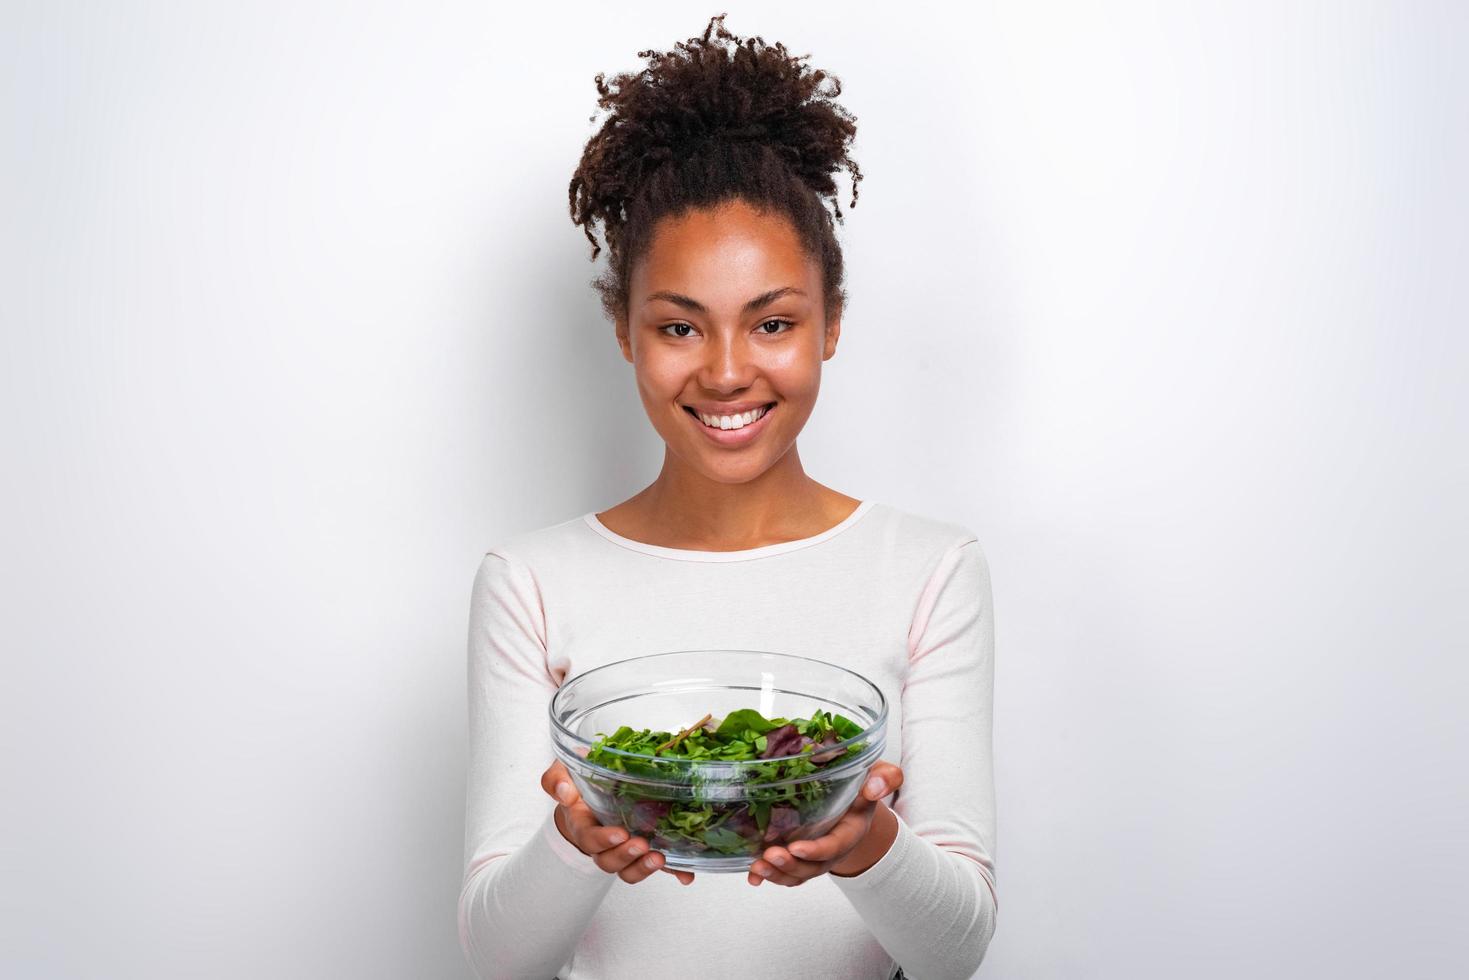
(734, 436)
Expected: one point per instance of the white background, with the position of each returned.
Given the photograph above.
(1166, 301)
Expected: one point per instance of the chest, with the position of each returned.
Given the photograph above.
(860, 623)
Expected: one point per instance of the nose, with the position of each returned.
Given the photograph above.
(728, 366)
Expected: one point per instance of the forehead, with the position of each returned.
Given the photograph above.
(723, 256)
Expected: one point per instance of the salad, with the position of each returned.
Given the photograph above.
(733, 815)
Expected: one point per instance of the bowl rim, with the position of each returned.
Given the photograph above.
(879, 722)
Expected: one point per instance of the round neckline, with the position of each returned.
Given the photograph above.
(744, 554)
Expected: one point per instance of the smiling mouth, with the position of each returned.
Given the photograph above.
(764, 411)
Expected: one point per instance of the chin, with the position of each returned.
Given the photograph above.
(727, 470)
(743, 475)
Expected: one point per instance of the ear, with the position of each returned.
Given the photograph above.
(833, 332)
(623, 340)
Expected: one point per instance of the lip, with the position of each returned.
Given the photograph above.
(734, 437)
(727, 408)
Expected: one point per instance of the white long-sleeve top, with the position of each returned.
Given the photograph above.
(901, 599)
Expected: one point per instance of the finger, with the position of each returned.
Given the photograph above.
(783, 860)
(615, 859)
(554, 779)
(771, 873)
(642, 867)
(598, 838)
(882, 779)
(549, 778)
(893, 776)
(817, 851)
(835, 842)
(684, 877)
(567, 792)
(591, 836)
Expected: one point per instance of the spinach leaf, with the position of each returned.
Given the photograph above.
(737, 722)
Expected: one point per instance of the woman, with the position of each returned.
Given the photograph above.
(725, 287)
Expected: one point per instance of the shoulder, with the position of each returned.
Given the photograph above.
(543, 542)
(931, 536)
(944, 557)
(518, 556)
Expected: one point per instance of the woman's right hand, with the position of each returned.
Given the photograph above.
(631, 860)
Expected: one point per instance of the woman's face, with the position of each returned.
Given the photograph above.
(726, 316)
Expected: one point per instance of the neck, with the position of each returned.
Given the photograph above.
(780, 504)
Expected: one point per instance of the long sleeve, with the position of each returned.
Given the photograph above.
(528, 893)
(931, 899)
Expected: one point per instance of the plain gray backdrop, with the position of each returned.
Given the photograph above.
(1165, 301)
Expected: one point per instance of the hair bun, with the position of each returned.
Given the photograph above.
(701, 103)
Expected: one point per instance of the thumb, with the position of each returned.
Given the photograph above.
(881, 780)
(557, 782)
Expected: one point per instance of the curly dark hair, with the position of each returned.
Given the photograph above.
(704, 124)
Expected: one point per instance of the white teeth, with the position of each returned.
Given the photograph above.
(731, 421)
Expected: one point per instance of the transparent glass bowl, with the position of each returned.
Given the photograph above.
(670, 692)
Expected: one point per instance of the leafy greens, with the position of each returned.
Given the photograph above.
(734, 815)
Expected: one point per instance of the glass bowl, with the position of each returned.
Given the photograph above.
(716, 816)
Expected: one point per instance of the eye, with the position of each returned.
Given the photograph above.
(666, 326)
(771, 333)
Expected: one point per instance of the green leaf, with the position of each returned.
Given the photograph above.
(762, 816)
(726, 841)
(746, 718)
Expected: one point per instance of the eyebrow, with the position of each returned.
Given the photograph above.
(689, 303)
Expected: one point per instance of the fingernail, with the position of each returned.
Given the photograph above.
(618, 838)
(650, 862)
(763, 872)
(635, 850)
(797, 849)
(563, 793)
(875, 786)
(779, 862)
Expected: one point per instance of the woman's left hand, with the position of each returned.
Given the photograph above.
(815, 857)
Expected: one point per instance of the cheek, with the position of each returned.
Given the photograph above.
(795, 373)
(660, 378)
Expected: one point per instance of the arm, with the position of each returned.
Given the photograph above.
(930, 899)
(528, 892)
